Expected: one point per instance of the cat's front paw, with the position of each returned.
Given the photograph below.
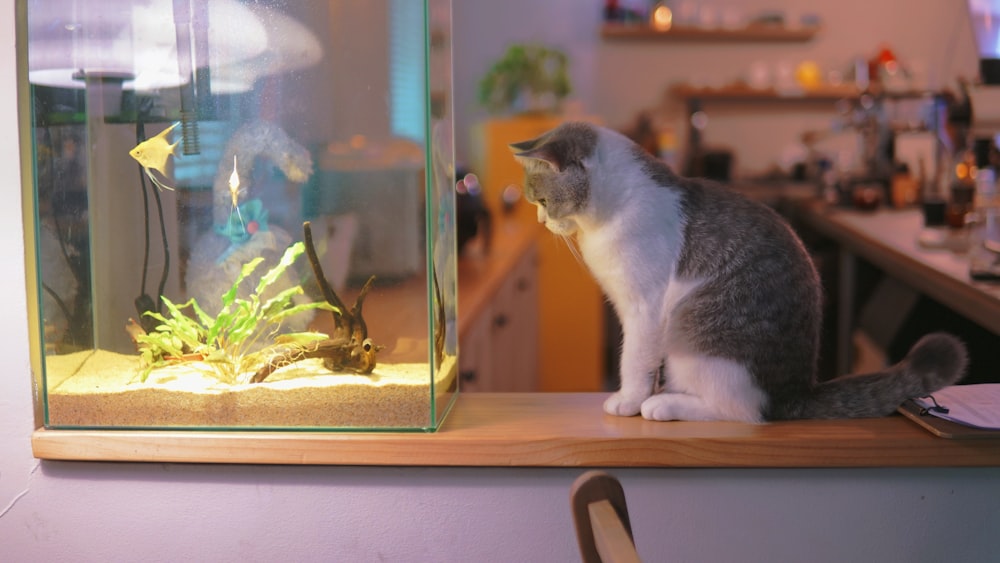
(620, 404)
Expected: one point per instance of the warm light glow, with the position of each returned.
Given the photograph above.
(661, 18)
(358, 142)
(808, 74)
(962, 170)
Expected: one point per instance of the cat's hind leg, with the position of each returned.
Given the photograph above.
(706, 388)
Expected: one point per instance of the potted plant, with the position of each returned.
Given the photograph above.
(528, 78)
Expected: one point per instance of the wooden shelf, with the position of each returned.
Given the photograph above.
(750, 33)
(546, 430)
(743, 92)
(747, 93)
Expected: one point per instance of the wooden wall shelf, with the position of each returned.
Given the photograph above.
(746, 93)
(750, 33)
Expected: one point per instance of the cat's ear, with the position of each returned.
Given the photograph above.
(536, 150)
(523, 145)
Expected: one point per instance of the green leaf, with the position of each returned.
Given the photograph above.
(175, 311)
(293, 252)
(247, 269)
(277, 303)
(156, 316)
(222, 322)
(160, 345)
(204, 318)
(277, 317)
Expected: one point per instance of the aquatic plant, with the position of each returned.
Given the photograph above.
(237, 338)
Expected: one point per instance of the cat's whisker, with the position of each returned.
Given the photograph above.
(573, 249)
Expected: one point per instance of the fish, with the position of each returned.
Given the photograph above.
(152, 154)
(234, 193)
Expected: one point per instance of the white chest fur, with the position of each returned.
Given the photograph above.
(633, 249)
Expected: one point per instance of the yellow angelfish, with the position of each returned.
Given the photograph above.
(152, 154)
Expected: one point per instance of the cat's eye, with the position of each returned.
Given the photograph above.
(542, 202)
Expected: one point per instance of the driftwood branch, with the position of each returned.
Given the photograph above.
(349, 347)
(324, 286)
(337, 354)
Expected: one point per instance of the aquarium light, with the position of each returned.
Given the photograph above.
(72, 42)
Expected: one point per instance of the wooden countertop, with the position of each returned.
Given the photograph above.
(888, 239)
(550, 430)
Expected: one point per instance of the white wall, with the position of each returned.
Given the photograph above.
(616, 79)
(118, 512)
(62, 511)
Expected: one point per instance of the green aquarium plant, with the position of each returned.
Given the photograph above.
(240, 336)
(528, 77)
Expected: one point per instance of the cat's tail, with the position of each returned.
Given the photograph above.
(936, 361)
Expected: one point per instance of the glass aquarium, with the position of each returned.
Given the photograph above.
(242, 213)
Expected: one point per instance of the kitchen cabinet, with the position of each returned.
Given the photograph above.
(499, 350)
(570, 303)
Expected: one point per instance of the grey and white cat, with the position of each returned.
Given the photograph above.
(718, 298)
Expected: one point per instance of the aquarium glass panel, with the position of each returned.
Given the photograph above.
(243, 213)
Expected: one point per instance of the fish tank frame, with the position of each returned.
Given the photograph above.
(330, 306)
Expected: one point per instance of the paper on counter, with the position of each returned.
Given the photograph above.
(977, 406)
